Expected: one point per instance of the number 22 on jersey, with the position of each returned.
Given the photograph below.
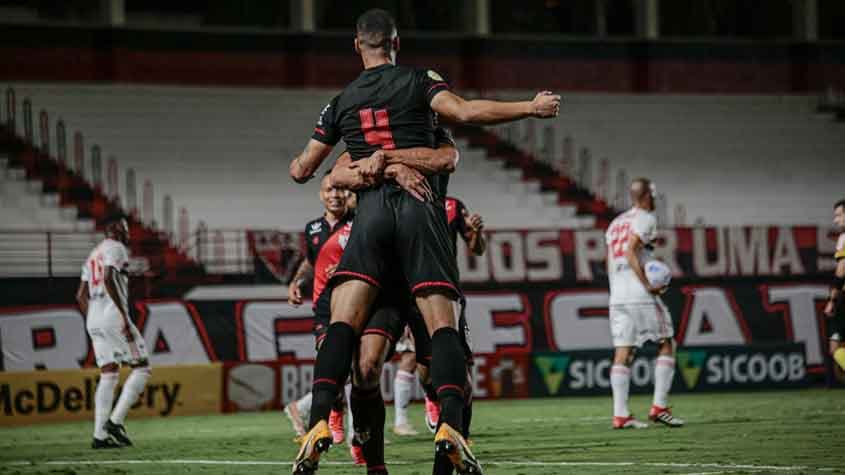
(619, 235)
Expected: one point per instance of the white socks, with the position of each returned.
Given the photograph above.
(103, 400)
(403, 388)
(133, 387)
(303, 405)
(620, 381)
(664, 372)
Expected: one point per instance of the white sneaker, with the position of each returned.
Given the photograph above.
(404, 430)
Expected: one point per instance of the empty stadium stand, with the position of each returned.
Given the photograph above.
(728, 160)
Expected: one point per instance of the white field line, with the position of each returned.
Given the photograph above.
(718, 467)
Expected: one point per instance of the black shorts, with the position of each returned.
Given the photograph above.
(394, 231)
(386, 317)
(422, 340)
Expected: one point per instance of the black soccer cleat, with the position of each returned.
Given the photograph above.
(118, 432)
(108, 443)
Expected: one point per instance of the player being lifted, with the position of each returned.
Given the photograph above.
(833, 310)
(637, 314)
(390, 107)
(103, 296)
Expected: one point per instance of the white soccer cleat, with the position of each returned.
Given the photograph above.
(628, 423)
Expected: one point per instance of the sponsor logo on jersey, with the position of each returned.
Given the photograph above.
(315, 227)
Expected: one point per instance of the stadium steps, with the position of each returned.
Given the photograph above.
(40, 193)
(577, 207)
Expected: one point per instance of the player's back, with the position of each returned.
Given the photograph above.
(386, 107)
(625, 287)
(109, 253)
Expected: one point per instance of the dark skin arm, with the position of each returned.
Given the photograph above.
(443, 159)
(82, 297)
(110, 282)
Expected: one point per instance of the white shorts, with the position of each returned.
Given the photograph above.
(406, 343)
(110, 344)
(636, 323)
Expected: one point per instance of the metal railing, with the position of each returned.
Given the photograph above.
(44, 254)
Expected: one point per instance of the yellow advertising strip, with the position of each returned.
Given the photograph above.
(33, 397)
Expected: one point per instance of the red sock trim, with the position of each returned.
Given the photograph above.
(326, 381)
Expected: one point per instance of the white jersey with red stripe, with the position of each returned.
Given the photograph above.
(625, 286)
(109, 253)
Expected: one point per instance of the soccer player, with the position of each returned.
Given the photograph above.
(389, 107)
(470, 228)
(637, 314)
(833, 309)
(337, 214)
(103, 296)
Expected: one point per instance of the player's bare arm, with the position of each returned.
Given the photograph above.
(349, 174)
(111, 283)
(635, 245)
(480, 111)
(82, 297)
(304, 273)
(443, 159)
(474, 235)
(836, 289)
(303, 167)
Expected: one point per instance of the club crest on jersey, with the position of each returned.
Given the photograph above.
(434, 75)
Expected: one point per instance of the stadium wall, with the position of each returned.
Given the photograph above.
(38, 53)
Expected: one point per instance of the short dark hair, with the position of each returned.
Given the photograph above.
(113, 218)
(375, 28)
(839, 203)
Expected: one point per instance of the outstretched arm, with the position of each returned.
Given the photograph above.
(480, 111)
(302, 167)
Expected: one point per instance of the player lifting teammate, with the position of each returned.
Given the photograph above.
(637, 314)
(390, 107)
(833, 309)
(103, 296)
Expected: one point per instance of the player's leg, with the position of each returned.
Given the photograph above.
(836, 332)
(103, 400)
(132, 388)
(422, 345)
(623, 331)
(297, 411)
(368, 412)
(664, 371)
(403, 387)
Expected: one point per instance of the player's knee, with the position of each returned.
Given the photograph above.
(623, 356)
(369, 368)
(667, 347)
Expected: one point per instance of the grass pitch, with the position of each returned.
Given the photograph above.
(763, 432)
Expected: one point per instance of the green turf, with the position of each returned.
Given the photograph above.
(785, 429)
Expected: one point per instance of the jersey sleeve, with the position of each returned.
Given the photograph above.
(443, 137)
(645, 227)
(431, 83)
(310, 248)
(116, 256)
(840, 248)
(327, 129)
